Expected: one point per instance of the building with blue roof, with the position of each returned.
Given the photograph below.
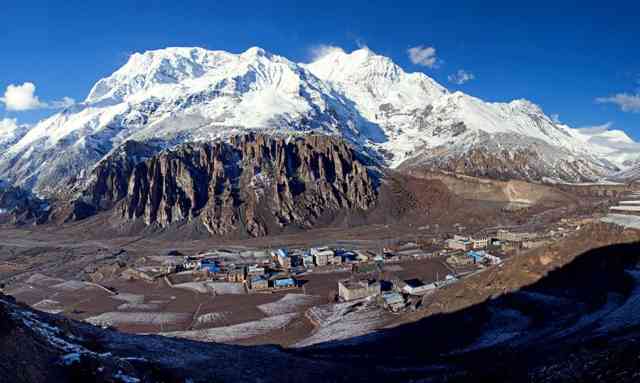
(284, 282)
(477, 256)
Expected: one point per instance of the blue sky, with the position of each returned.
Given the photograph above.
(561, 56)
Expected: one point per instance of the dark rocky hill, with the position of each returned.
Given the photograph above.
(252, 184)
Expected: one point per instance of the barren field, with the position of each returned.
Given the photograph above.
(67, 270)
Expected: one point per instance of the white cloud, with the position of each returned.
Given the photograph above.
(595, 129)
(23, 97)
(627, 102)
(461, 76)
(321, 50)
(424, 56)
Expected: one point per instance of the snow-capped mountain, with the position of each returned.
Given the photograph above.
(10, 133)
(174, 95)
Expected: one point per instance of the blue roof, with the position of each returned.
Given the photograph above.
(211, 267)
(284, 282)
(283, 252)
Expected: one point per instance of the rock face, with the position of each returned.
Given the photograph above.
(505, 157)
(18, 206)
(109, 182)
(250, 184)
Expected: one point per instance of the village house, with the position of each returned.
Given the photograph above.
(236, 275)
(506, 235)
(361, 256)
(459, 259)
(307, 260)
(283, 258)
(254, 270)
(477, 256)
(534, 244)
(480, 242)
(283, 282)
(334, 260)
(459, 243)
(351, 290)
(258, 282)
(366, 267)
(321, 255)
(393, 301)
(417, 287)
(210, 266)
(189, 265)
(492, 259)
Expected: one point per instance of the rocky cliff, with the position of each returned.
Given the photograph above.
(251, 184)
(503, 157)
(18, 206)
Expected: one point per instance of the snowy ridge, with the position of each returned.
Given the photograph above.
(175, 95)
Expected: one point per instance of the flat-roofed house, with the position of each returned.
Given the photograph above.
(321, 255)
(258, 282)
(349, 290)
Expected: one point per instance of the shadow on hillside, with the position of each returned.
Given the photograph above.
(503, 338)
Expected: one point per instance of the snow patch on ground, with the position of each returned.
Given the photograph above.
(139, 306)
(505, 324)
(235, 332)
(72, 285)
(209, 318)
(290, 303)
(113, 318)
(125, 378)
(49, 306)
(71, 358)
(342, 321)
(219, 288)
(129, 298)
(43, 280)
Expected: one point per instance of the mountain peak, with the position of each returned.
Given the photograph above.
(337, 65)
(255, 51)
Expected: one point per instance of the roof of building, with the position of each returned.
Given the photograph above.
(392, 298)
(414, 282)
(350, 284)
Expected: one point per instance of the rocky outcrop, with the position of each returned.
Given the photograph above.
(506, 157)
(109, 181)
(18, 206)
(249, 184)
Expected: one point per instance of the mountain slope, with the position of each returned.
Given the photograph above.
(421, 120)
(176, 95)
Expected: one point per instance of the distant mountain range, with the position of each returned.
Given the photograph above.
(176, 95)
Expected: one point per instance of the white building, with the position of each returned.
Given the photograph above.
(321, 255)
(352, 290)
(416, 287)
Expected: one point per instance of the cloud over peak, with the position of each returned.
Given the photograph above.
(423, 56)
(23, 97)
(322, 50)
(625, 101)
(461, 76)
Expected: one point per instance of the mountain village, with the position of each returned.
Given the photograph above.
(372, 274)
